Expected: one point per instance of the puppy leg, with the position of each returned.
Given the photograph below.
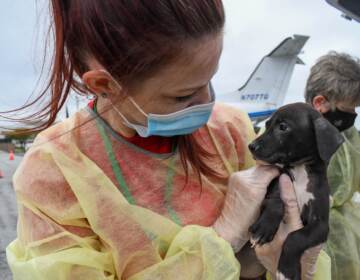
(271, 214)
(295, 245)
(251, 268)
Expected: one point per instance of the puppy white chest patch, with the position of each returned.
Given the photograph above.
(300, 186)
(280, 276)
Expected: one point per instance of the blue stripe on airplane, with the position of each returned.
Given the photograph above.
(261, 114)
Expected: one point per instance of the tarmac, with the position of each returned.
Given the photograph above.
(8, 210)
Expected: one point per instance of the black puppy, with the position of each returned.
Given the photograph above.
(300, 141)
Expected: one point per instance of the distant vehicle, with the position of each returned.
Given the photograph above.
(267, 86)
(350, 8)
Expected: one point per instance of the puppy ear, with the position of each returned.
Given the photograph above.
(328, 138)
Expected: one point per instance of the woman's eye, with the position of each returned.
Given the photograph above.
(184, 98)
(283, 126)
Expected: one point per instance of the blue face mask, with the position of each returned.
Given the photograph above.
(181, 122)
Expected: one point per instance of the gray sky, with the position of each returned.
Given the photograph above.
(253, 29)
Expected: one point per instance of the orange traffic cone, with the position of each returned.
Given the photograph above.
(1, 174)
(11, 155)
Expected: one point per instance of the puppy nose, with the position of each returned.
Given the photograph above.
(253, 147)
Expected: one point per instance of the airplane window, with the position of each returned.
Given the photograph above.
(351, 5)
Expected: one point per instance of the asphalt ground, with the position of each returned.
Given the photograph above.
(8, 210)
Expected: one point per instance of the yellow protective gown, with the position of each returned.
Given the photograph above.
(343, 244)
(93, 206)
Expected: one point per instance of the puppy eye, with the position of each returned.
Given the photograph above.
(283, 126)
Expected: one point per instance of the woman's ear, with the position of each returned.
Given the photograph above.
(321, 104)
(99, 82)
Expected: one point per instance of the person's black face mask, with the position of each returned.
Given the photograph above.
(340, 119)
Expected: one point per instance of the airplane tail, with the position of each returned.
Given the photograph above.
(270, 80)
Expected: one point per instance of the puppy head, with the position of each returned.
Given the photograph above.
(294, 134)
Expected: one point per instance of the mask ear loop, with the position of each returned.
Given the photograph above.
(125, 121)
(137, 106)
(105, 95)
(119, 87)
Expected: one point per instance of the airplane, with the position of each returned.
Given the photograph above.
(266, 87)
(350, 8)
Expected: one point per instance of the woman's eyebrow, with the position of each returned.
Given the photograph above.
(201, 86)
(195, 88)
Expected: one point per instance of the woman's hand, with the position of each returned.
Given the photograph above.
(269, 254)
(246, 192)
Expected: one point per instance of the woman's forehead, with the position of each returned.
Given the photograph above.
(194, 67)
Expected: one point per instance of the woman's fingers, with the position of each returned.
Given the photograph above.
(308, 262)
(245, 194)
(269, 253)
(267, 172)
(257, 176)
(288, 196)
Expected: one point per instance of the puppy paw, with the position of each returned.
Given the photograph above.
(280, 276)
(262, 232)
(289, 268)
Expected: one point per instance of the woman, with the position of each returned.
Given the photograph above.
(136, 185)
(333, 88)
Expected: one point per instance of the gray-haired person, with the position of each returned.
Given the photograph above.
(333, 88)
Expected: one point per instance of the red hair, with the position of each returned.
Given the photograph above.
(132, 40)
